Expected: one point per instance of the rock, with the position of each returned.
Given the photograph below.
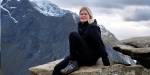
(138, 42)
(45, 69)
(131, 51)
(138, 48)
(116, 69)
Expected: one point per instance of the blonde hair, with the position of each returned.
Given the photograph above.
(88, 10)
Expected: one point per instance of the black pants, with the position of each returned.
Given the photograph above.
(80, 52)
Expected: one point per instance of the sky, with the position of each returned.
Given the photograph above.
(124, 18)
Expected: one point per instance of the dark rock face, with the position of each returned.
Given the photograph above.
(138, 48)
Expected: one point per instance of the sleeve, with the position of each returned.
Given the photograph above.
(95, 34)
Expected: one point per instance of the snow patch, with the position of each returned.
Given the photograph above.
(75, 17)
(9, 13)
(47, 8)
(1, 1)
(13, 7)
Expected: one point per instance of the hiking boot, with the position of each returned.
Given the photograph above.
(71, 67)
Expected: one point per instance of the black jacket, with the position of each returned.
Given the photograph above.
(91, 33)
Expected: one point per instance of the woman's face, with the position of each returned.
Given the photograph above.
(84, 16)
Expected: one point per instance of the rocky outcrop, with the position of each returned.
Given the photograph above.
(116, 69)
(138, 42)
(138, 48)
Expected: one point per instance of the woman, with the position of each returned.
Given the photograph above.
(86, 46)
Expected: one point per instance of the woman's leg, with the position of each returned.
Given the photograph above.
(60, 66)
(78, 46)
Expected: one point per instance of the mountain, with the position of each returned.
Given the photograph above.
(34, 32)
(29, 34)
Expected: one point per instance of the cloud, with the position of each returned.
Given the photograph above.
(131, 10)
(124, 30)
(136, 2)
(69, 3)
(145, 23)
(138, 14)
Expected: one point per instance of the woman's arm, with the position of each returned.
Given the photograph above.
(95, 33)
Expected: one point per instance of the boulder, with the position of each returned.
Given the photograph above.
(137, 48)
(138, 42)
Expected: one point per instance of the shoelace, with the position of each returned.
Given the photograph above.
(69, 67)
